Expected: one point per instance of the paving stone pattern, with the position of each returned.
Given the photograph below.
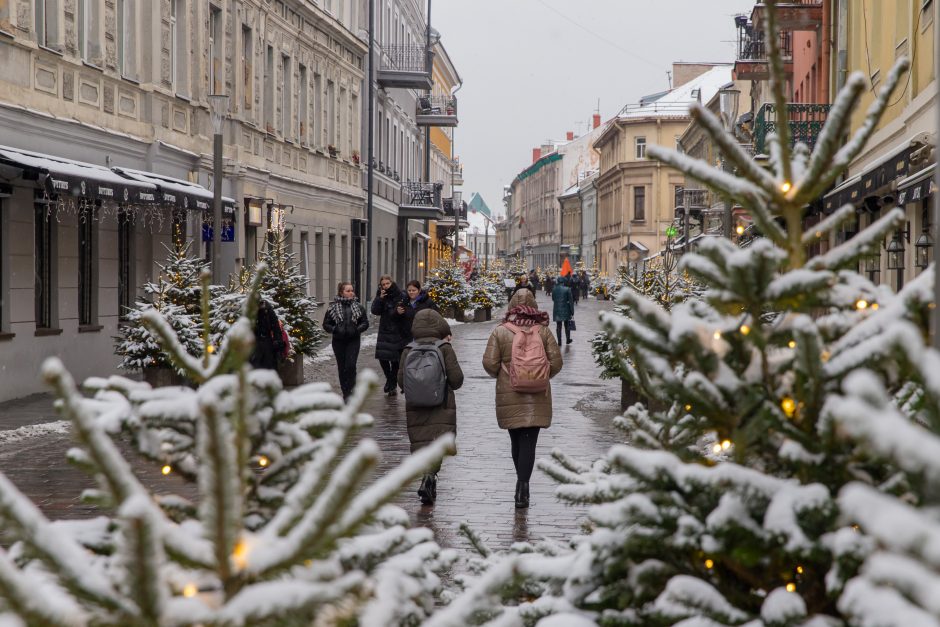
(476, 486)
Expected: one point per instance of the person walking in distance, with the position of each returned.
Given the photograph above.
(389, 342)
(522, 355)
(563, 309)
(574, 287)
(346, 321)
(429, 374)
(269, 338)
(416, 300)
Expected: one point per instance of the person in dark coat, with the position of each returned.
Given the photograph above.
(585, 284)
(523, 283)
(389, 343)
(426, 424)
(563, 310)
(575, 286)
(534, 282)
(268, 339)
(416, 300)
(346, 320)
(549, 284)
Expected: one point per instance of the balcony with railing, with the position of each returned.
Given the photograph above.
(447, 222)
(421, 201)
(752, 61)
(436, 111)
(457, 169)
(405, 66)
(794, 15)
(805, 122)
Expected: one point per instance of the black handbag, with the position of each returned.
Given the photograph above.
(572, 326)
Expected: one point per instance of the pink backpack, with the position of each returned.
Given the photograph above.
(529, 369)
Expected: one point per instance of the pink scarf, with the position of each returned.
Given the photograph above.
(525, 316)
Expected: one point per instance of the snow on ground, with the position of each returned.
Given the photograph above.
(326, 352)
(32, 431)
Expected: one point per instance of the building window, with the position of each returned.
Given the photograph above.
(344, 257)
(317, 111)
(286, 94)
(4, 268)
(248, 57)
(126, 283)
(318, 267)
(127, 38)
(342, 136)
(269, 90)
(216, 78)
(44, 256)
(640, 147)
(331, 260)
(303, 114)
(305, 257)
(179, 49)
(46, 15)
(87, 257)
(639, 204)
(331, 113)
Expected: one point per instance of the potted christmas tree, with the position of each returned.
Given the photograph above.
(449, 290)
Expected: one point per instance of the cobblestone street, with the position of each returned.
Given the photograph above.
(476, 486)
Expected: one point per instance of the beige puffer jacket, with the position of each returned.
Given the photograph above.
(513, 409)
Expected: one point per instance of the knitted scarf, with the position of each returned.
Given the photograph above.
(525, 316)
(336, 309)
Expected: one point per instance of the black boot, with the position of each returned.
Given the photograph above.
(522, 494)
(428, 489)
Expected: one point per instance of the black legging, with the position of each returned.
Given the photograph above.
(390, 368)
(523, 441)
(567, 324)
(347, 353)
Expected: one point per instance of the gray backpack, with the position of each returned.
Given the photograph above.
(425, 378)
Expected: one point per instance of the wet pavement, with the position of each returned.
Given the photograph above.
(475, 487)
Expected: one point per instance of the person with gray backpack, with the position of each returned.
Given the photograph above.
(429, 374)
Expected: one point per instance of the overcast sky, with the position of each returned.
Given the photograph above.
(534, 69)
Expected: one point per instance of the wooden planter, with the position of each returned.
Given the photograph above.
(489, 313)
(479, 315)
(162, 377)
(292, 372)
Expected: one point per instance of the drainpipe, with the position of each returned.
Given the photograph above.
(825, 46)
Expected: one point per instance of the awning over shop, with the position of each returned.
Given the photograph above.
(79, 179)
(874, 181)
(177, 192)
(917, 186)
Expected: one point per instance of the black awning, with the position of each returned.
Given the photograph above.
(874, 181)
(78, 179)
(177, 192)
(917, 186)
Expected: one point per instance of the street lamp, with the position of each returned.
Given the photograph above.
(728, 101)
(923, 249)
(895, 250)
(456, 197)
(218, 107)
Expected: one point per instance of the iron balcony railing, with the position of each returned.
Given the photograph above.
(753, 47)
(406, 58)
(420, 194)
(805, 121)
(693, 198)
(437, 105)
(448, 207)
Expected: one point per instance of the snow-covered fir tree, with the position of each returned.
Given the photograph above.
(488, 291)
(177, 296)
(448, 287)
(760, 486)
(287, 529)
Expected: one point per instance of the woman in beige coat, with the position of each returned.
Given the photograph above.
(522, 414)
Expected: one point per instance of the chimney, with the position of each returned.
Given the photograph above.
(570, 136)
(597, 120)
(536, 154)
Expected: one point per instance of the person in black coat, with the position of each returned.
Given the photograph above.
(268, 339)
(523, 283)
(389, 344)
(415, 300)
(346, 321)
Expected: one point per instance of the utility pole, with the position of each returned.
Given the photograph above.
(935, 312)
(371, 154)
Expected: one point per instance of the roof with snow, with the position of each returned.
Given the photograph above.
(675, 103)
(478, 204)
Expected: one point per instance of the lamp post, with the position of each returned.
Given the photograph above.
(218, 106)
(728, 100)
(370, 151)
(456, 197)
(895, 252)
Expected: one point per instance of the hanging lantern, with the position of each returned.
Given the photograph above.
(923, 250)
(895, 252)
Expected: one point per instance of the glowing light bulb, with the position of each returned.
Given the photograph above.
(825, 355)
(725, 444)
(717, 335)
(167, 469)
(716, 448)
(788, 405)
(791, 587)
(688, 408)
(709, 564)
(240, 555)
(210, 349)
(190, 590)
(861, 303)
(744, 329)
(799, 569)
(263, 461)
(785, 187)
(739, 229)
(874, 306)
(792, 343)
